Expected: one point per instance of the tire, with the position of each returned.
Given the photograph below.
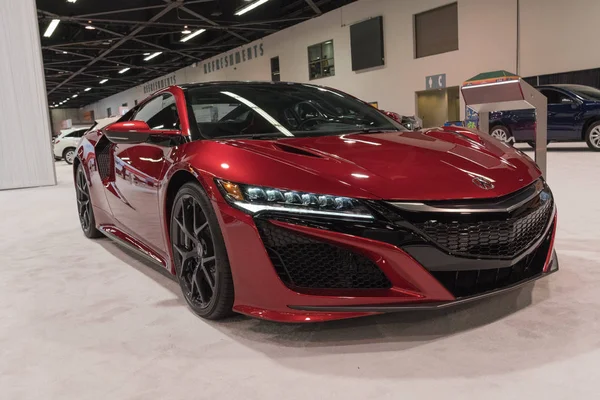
(85, 211)
(592, 136)
(69, 155)
(200, 255)
(502, 134)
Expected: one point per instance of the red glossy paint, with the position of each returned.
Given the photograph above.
(130, 202)
(128, 126)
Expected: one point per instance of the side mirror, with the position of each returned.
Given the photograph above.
(134, 132)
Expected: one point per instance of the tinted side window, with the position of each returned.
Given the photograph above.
(554, 97)
(160, 113)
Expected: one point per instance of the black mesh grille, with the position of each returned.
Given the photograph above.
(495, 238)
(473, 282)
(103, 158)
(304, 262)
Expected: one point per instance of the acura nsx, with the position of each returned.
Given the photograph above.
(295, 203)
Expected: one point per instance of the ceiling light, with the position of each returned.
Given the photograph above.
(186, 31)
(89, 27)
(87, 89)
(146, 54)
(151, 56)
(75, 95)
(193, 35)
(103, 81)
(124, 70)
(71, 1)
(64, 52)
(250, 7)
(51, 27)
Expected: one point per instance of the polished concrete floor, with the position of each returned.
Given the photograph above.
(81, 319)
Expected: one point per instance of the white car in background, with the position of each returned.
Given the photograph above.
(66, 143)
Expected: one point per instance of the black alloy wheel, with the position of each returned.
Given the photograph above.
(84, 205)
(199, 254)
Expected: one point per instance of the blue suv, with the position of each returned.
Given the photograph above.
(573, 116)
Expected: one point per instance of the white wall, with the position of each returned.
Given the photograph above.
(25, 151)
(58, 115)
(559, 36)
(555, 36)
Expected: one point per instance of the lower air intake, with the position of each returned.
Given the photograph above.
(304, 262)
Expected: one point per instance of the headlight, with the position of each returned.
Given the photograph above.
(255, 199)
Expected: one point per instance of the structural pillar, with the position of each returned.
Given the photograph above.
(26, 158)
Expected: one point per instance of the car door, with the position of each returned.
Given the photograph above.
(563, 115)
(138, 170)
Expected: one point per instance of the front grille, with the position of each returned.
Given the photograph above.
(466, 283)
(499, 238)
(304, 262)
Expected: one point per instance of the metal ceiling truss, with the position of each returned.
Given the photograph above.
(78, 60)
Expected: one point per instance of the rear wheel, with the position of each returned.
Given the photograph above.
(592, 136)
(200, 255)
(502, 134)
(84, 205)
(69, 155)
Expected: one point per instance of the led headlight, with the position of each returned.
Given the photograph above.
(254, 199)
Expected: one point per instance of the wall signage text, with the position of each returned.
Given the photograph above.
(234, 58)
(160, 83)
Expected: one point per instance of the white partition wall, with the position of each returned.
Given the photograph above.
(25, 147)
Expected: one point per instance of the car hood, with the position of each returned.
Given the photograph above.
(435, 164)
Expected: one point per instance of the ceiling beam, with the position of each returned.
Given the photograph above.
(124, 39)
(126, 10)
(100, 41)
(162, 24)
(315, 8)
(124, 64)
(211, 22)
(271, 21)
(154, 45)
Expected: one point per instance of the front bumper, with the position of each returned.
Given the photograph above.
(263, 292)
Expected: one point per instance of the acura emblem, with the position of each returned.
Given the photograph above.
(483, 183)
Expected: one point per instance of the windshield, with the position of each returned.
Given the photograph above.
(281, 110)
(586, 92)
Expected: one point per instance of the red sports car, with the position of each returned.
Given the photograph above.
(295, 202)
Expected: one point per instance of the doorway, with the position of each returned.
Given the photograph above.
(438, 106)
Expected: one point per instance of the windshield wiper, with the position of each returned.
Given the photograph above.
(254, 136)
(378, 130)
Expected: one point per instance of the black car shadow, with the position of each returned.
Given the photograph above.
(552, 149)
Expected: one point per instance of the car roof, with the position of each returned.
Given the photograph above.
(564, 86)
(242, 83)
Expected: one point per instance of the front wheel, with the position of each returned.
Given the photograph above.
(592, 136)
(502, 134)
(84, 205)
(200, 255)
